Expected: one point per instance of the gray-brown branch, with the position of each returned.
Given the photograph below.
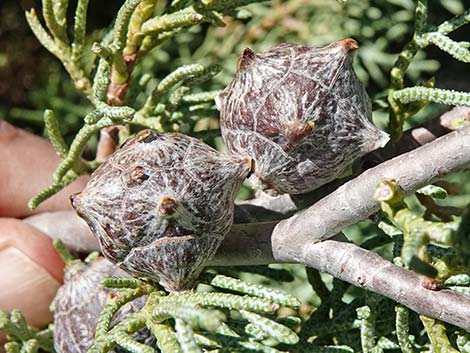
(351, 263)
(302, 238)
(353, 201)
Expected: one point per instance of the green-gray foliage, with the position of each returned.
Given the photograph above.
(405, 102)
(21, 336)
(190, 320)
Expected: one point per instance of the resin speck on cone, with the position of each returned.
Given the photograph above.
(300, 113)
(161, 205)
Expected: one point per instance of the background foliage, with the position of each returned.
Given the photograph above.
(31, 81)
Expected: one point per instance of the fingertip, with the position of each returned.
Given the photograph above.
(31, 288)
(31, 271)
(7, 131)
(33, 243)
(28, 162)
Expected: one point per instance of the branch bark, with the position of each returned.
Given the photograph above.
(421, 135)
(351, 263)
(302, 238)
(367, 270)
(353, 201)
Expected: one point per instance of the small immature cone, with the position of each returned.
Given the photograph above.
(161, 205)
(79, 302)
(300, 113)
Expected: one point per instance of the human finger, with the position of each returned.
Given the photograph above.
(27, 164)
(31, 271)
(68, 227)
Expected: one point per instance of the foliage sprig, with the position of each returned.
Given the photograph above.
(57, 41)
(418, 233)
(190, 321)
(405, 102)
(22, 337)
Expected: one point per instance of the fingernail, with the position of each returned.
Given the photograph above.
(26, 286)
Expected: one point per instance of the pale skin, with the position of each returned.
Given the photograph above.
(30, 268)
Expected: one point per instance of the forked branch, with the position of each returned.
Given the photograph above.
(302, 238)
